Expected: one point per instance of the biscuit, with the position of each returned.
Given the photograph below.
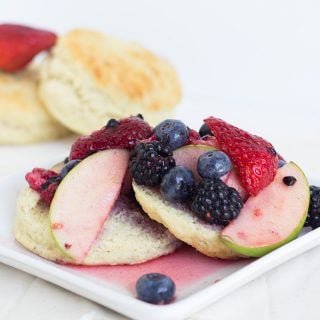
(128, 235)
(23, 118)
(183, 224)
(90, 77)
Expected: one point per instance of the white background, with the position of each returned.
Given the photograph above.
(254, 63)
(263, 53)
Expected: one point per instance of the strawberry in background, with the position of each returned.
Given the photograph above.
(20, 44)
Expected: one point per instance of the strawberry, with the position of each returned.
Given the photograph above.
(124, 134)
(19, 44)
(255, 158)
(45, 182)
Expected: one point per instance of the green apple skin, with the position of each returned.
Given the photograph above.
(261, 251)
(228, 234)
(84, 199)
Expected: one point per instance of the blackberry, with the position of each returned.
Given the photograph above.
(215, 202)
(149, 162)
(313, 218)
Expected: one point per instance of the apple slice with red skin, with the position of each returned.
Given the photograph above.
(188, 155)
(84, 199)
(272, 218)
(233, 181)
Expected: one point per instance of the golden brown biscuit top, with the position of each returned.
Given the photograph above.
(123, 69)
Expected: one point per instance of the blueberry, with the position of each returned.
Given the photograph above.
(213, 164)
(205, 131)
(155, 288)
(178, 184)
(68, 167)
(51, 180)
(173, 133)
(281, 163)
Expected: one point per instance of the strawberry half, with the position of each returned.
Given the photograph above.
(19, 44)
(255, 158)
(124, 134)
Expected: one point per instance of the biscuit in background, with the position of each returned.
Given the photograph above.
(90, 77)
(23, 118)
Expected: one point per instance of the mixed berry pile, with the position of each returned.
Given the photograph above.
(211, 199)
(152, 164)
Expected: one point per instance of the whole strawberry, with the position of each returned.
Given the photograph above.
(19, 44)
(255, 158)
(124, 134)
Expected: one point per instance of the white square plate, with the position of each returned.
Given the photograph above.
(200, 280)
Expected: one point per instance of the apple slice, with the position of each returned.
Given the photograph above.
(233, 181)
(84, 199)
(272, 218)
(187, 156)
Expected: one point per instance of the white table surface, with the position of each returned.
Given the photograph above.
(289, 291)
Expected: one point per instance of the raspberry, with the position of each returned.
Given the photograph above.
(255, 158)
(193, 136)
(125, 135)
(45, 182)
(215, 202)
(195, 139)
(47, 194)
(150, 162)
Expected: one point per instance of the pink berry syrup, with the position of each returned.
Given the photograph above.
(189, 269)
